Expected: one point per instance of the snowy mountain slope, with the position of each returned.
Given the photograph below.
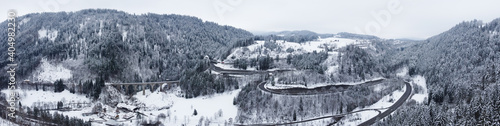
(117, 45)
(259, 49)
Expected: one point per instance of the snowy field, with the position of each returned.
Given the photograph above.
(214, 110)
(252, 51)
(230, 67)
(418, 82)
(402, 72)
(31, 97)
(388, 100)
(4, 122)
(49, 34)
(207, 107)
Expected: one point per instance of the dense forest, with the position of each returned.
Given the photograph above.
(461, 67)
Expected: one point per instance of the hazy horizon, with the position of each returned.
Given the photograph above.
(386, 18)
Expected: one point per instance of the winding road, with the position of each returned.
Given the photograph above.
(323, 90)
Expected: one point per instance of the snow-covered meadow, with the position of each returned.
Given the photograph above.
(48, 72)
(316, 85)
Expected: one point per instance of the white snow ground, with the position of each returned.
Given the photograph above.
(50, 34)
(258, 49)
(4, 122)
(181, 109)
(180, 112)
(48, 72)
(418, 82)
(206, 106)
(252, 50)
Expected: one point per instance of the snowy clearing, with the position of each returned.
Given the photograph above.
(206, 106)
(49, 72)
(24, 21)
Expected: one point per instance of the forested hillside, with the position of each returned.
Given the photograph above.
(116, 45)
(293, 36)
(462, 70)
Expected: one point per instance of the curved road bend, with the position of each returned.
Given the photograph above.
(371, 121)
(392, 108)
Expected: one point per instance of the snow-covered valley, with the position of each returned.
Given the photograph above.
(165, 107)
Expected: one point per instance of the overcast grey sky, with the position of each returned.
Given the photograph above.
(415, 19)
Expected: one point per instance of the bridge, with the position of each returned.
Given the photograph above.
(143, 85)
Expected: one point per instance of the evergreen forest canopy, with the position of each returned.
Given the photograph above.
(119, 46)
